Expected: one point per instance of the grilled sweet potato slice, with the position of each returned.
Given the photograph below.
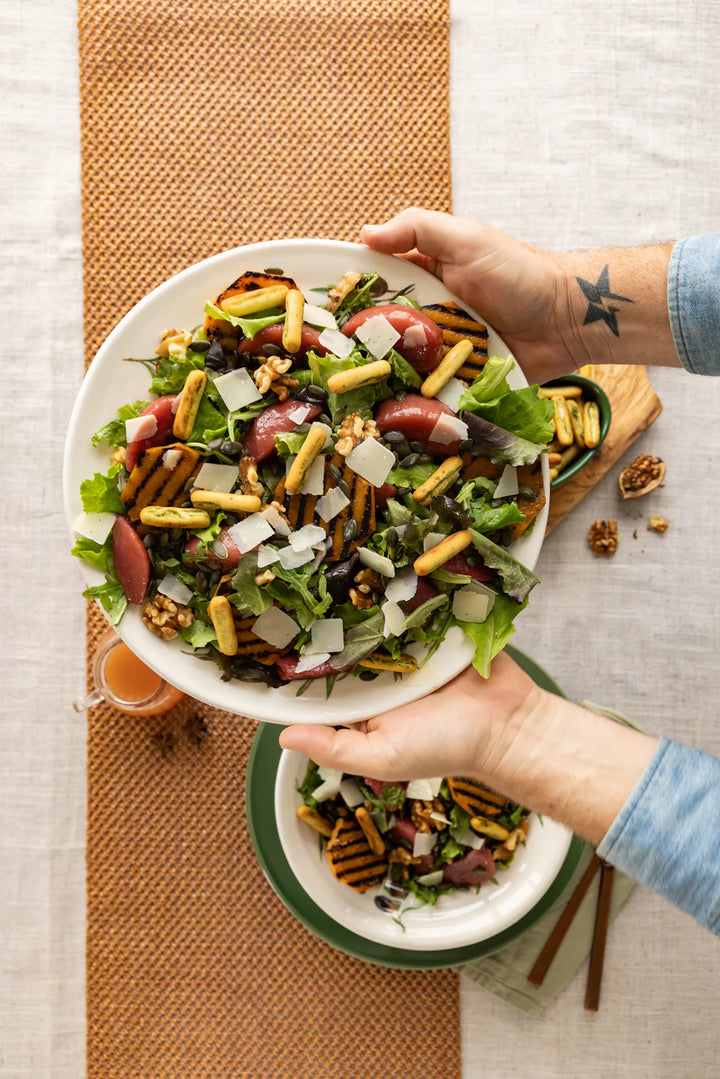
(476, 800)
(252, 647)
(458, 325)
(528, 476)
(300, 510)
(228, 335)
(350, 858)
(153, 483)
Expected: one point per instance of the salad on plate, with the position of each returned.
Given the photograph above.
(319, 484)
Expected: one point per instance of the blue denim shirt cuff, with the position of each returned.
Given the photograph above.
(694, 302)
(666, 834)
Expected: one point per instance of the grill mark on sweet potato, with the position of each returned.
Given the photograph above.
(458, 325)
(350, 858)
(476, 800)
(152, 484)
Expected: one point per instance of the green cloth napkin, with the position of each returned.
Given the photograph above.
(505, 973)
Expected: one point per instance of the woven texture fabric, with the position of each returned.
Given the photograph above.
(205, 126)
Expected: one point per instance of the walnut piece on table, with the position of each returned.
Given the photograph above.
(641, 476)
(603, 537)
(164, 617)
(657, 523)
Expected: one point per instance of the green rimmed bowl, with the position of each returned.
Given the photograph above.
(591, 391)
(352, 938)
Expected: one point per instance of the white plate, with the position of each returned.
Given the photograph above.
(460, 918)
(111, 383)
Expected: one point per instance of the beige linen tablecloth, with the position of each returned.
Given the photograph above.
(572, 124)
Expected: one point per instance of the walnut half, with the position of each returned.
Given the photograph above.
(163, 616)
(603, 537)
(641, 476)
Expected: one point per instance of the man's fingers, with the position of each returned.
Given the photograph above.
(436, 235)
(348, 749)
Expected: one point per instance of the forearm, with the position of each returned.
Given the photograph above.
(557, 758)
(612, 306)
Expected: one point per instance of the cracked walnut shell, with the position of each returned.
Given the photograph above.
(641, 476)
(603, 537)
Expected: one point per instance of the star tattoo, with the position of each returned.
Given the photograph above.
(599, 297)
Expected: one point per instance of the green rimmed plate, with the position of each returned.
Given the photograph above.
(260, 787)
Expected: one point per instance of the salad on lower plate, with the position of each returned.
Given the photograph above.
(319, 484)
(417, 840)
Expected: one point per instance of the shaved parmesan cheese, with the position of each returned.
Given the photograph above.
(307, 536)
(372, 461)
(508, 483)
(435, 784)
(432, 539)
(423, 843)
(471, 839)
(326, 790)
(94, 526)
(237, 389)
(318, 298)
(414, 336)
(337, 343)
(351, 794)
(431, 880)
(140, 427)
(332, 502)
(176, 404)
(309, 661)
(172, 587)
(290, 559)
(440, 817)
(216, 477)
(333, 774)
(420, 788)
(266, 556)
(473, 602)
(448, 429)
(403, 586)
(326, 635)
(319, 317)
(275, 627)
(276, 521)
(315, 480)
(171, 459)
(394, 620)
(299, 414)
(377, 335)
(249, 533)
(451, 393)
(377, 562)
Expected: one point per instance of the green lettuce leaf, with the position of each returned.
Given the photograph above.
(111, 596)
(100, 494)
(171, 372)
(517, 580)
(249, 597)
(413, 477)
(490, 384)
(97, 554)
(402, 370)
(492, 635)
(361, 400)
(249, 325)
(360, 641)
(113, 433)
(199, 633)
(358, 298)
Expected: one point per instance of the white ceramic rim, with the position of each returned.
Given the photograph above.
(311, 262)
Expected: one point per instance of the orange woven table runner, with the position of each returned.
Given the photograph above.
(205, 126)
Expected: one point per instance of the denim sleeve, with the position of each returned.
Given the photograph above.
(667, 835)
(694, 302)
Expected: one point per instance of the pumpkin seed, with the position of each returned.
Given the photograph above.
(350, 528)
(393, 437)
(410, 460)
(199, 346)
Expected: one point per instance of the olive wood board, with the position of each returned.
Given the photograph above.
(634, 405)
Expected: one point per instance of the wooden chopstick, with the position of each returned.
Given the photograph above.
(542, 964)
(597, 955)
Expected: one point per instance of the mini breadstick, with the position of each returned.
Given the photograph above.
(576, 421)
(221, 616)
(189, 403)
(442, 478)
(560, 391)
(591, 424)
(246, 303)
(381, 661)
(220, 500)
(365, 375)
(292, 331)
(554, 459)
(320, 824)
(488, 827)
(372, 835)
(569, 455)
(439, 555)
(447, 368)
(309, 450)
(174, 517)
(563, 427)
